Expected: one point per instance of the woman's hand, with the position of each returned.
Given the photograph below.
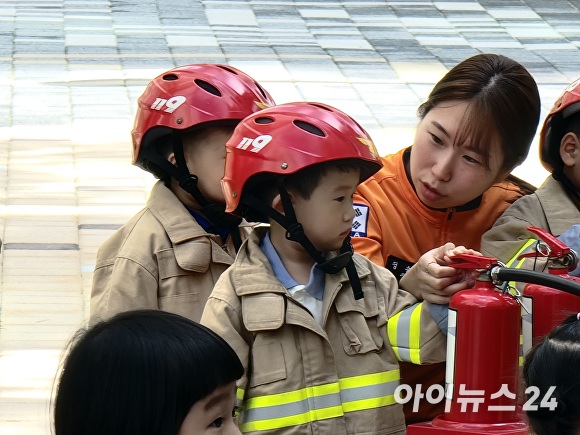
(430, 279)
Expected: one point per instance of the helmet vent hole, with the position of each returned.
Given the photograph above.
(306, 126)
(264, 120)
(227, 69)
(321, 107)
(262, 91)
(170, 77)
(208, 87)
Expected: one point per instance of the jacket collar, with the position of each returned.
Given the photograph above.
(560, 208)
(252, 262)
(182, 229)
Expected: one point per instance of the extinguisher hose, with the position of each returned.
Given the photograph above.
(529, 276)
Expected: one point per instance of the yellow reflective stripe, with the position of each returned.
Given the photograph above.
(415, 335)
(368, 380)
(363, 404)
(522, 249)
(404, 332)
(392, 326)
(521, 358)
(292, 408)
(320, 402)
(512, 284)
(240, 392)
(292, 396)
(294, 420)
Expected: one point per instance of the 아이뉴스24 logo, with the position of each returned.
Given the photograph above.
(256, 144)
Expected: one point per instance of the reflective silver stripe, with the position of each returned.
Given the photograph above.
(294, 408)
(360, 393)
(404, 333)
(320, 402)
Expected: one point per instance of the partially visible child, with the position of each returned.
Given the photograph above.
(555, 206)
(318, 328)
(147, 372)
(554, 362)
(171, 253)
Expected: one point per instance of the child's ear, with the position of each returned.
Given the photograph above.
(171, 158)
(570, 149)
(277, 204)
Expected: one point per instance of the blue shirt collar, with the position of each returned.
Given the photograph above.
(315, 285)
(222, 232)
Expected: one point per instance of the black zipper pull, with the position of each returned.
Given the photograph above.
(450, 214)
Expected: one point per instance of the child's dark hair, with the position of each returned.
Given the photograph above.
(554, 362)
(266, 186)
(139, 373)
(572, 124)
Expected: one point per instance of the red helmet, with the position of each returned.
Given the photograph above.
(289, 137)
(552, 132)
(188, 96)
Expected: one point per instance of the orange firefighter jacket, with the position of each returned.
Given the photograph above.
(393, 228)
(304, 378)
(399, 225)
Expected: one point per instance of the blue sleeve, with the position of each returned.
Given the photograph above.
(571, 237)
(439, 313)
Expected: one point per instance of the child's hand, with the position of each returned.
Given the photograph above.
(430, 279)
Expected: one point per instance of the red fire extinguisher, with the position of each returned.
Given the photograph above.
(546, 307)
(482, 359)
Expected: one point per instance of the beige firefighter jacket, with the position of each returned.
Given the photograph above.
(550, 208)
(160, 259)
(304, 378)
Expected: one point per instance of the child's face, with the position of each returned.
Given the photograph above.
(327, 215)
(443, 175)
(214, 414)
(206, 159)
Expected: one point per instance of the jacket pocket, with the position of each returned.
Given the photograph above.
(358, 321)
(168, 266)
(268, 364)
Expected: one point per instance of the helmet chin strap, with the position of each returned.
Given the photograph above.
(214, 212)
(295, 232)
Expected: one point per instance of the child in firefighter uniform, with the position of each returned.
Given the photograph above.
(555, 206)
(319, 330)
(170, 254)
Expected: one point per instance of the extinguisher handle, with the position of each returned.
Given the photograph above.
(556, 248)
(471, 261)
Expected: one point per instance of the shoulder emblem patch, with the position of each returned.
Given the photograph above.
(360, 221)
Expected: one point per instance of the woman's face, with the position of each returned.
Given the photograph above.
(445, 175)
(214, 414)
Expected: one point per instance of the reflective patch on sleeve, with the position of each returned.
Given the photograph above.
(360, 221)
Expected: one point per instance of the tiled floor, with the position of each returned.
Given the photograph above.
(71, 72)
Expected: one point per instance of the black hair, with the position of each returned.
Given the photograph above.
(504, 105)
(139, 373)
(554, 361)
(572, 124)
(265, 186)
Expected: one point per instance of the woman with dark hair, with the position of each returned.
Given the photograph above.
(147, 372)
(554, 362)
(449, 187)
